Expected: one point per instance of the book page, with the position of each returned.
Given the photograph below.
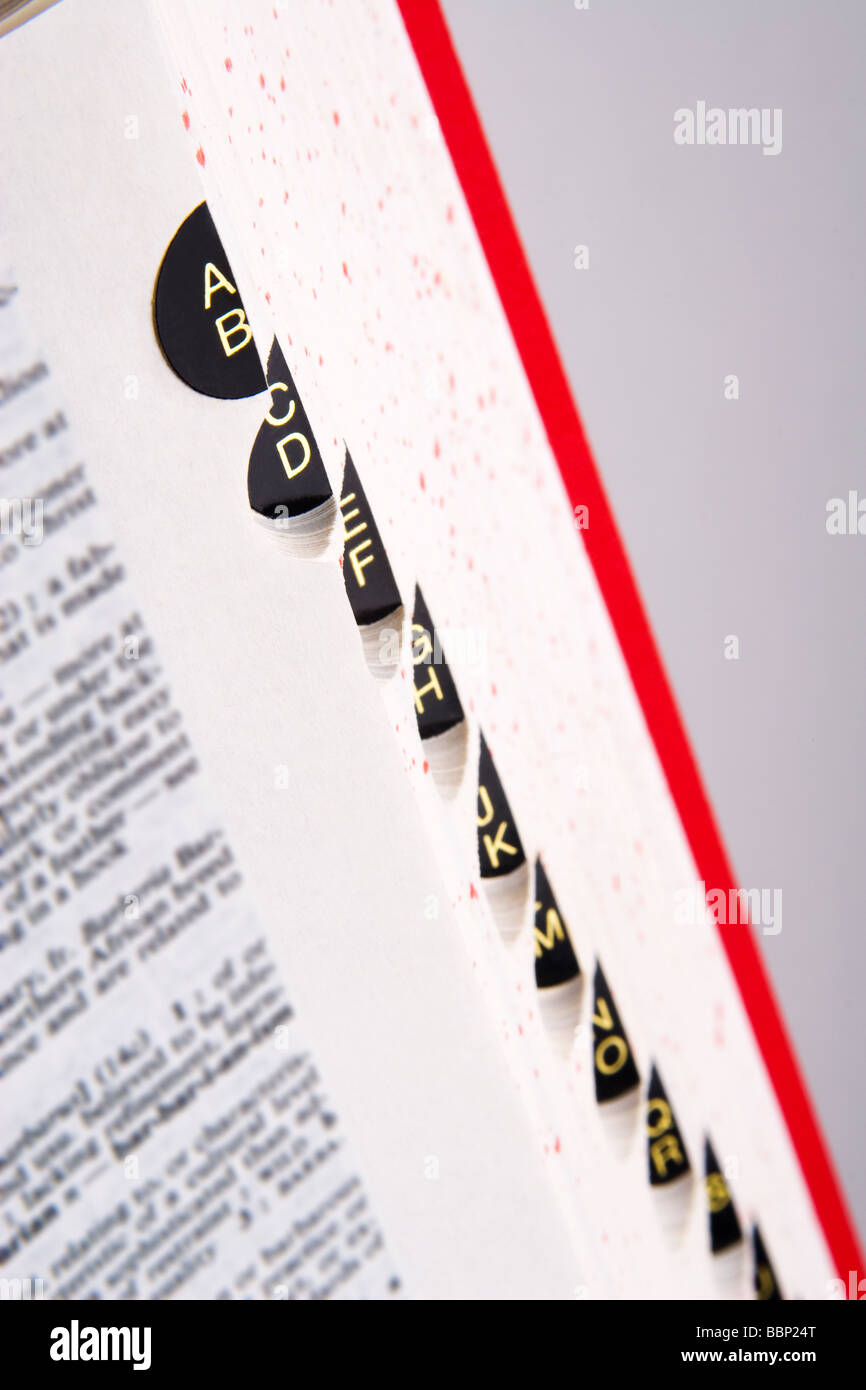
(202, 797)
(325, 165)
(165, 1128)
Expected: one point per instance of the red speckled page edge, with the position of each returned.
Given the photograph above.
(473, 163)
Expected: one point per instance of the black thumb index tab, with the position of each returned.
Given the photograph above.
(368, 577)
(437, 704)
(286, 475)
(500, 851)
(555, 961)
(766, 1284)
(198, 316)
(666, 1151)
(724, 1223)
(614, 1065)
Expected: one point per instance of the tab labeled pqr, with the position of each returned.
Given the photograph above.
(666, 1151)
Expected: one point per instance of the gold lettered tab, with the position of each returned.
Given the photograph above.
(286, 476)
(555, 960)
(200, 323)
(437, 704)
(666, 1151)
(766, 1284)
(725, 1229)
(615, 1068)
(367, 574)
(500, 851)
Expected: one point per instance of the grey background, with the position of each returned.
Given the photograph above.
(703, 262)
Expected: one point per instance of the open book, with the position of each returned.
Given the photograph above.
(357, 883)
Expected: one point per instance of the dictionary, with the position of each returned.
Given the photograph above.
(346, 817)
